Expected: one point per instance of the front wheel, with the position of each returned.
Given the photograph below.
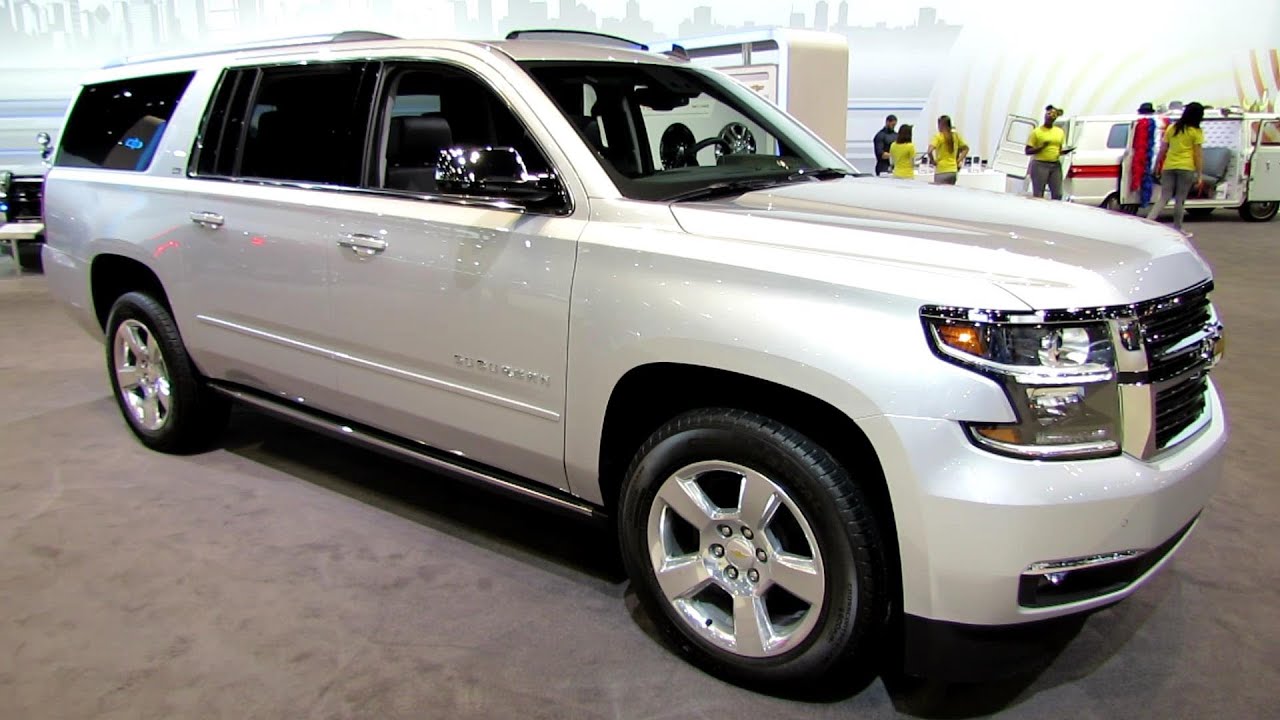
(162, 397)
(1259, 211)
(754, 551)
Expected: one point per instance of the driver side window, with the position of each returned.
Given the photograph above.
(429, 109)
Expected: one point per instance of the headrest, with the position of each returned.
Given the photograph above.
(419, 139)
(590, 128)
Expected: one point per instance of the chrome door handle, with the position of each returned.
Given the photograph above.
(213, 221)
(363, 245)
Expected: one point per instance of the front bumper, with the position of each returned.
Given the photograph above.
(972, 524)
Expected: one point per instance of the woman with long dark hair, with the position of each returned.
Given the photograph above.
(902, 154)
(947, 151)
(1181, 162)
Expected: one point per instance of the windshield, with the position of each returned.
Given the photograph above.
(664, 132)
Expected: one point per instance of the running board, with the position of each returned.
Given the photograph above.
(387, 444)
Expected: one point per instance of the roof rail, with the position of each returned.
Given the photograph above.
(585, 36)
(345, 36)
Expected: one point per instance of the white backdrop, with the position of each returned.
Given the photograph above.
(976, 60)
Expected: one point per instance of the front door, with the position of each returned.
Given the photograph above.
(1011, 153)
(1264, 184)
(452, 312)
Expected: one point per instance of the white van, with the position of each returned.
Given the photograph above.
(1241, 165)
(1091, 175)
(1242, 160)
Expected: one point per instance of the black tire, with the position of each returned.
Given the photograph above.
(1112, 203)
(196, 416)
(1259, 211)
(1200, 213)
(29, 258)
(850, 625)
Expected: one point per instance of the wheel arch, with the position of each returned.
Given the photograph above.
(634, 411)
(112, 275)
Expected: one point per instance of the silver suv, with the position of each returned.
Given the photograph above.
(827, 414)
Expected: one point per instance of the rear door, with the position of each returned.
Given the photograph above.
(1011, 152)
(1264, 184)
(281, 145)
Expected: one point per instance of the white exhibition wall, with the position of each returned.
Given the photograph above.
(976, 60)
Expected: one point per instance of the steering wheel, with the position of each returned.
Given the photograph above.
(739, 140)
(677, 148)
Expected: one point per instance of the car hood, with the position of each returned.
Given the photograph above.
(1048, 254)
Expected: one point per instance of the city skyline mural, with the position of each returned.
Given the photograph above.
(60, 32)
(974, 60)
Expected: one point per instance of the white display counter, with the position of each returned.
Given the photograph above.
(993, 180)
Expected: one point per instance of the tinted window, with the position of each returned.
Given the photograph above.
(435, 107)
(307, 123)
(117, 125)
(224, 126)
(1118, 137)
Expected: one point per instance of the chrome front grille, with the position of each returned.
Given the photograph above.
(1180, 335)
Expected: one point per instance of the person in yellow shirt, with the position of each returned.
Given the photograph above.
(1180, 163)
(902, 154)
(1045, 146)
(947, 151)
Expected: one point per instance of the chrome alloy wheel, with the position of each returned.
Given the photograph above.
(736, 558)
(141, 375)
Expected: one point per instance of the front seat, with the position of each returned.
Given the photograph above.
(414, 146)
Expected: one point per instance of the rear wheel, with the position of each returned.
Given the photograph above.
(162, 398)
(1112, 203)
(754, 551)
(1259, 211)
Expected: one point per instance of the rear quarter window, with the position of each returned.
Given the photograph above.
(117, 125)
(1118, 137)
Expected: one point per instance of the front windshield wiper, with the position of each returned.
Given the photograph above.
(728, 187)
(738, 187)
(823, 173)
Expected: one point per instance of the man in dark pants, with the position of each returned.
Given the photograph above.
(1045, 146)
(883, 139)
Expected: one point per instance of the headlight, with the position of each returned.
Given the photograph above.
(1060, 379)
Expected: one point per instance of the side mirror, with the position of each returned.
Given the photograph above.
(46, 145)
(497, 173)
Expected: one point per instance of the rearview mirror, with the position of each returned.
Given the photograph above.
(495, 172)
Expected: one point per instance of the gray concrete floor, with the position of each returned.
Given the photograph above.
(282, 576)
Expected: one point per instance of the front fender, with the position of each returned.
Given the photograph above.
(860, 350)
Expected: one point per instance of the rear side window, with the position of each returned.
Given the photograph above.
(117, 125)
(1118, 138)
(301, 123)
